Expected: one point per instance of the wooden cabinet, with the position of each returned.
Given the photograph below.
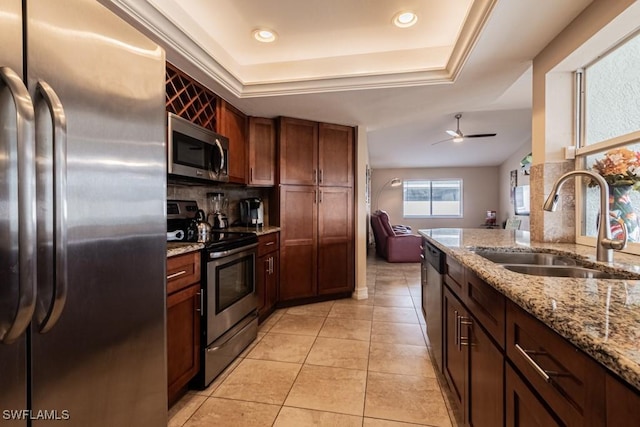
(523, 407)
(316, 209)
(183, 322)
(473, 365)
(571, 383)
(262, 152)
(268, 273)
(233, 124)
(623, 403)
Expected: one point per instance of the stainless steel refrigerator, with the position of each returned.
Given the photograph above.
(82, 222)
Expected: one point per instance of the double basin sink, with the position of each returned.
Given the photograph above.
(547, 264)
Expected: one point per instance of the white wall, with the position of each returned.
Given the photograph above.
(480, 193)
(506, 209)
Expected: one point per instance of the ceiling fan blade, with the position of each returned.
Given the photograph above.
(440, 142)
(480, 135)
(454, 133)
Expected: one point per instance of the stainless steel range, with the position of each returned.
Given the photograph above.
(229, 301)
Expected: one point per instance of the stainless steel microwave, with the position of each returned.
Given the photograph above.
(196, 152)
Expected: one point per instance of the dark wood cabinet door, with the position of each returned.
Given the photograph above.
(455, 359)
(623, 403)
(523, 408)
(263, 264)
(298, 241)
(335, 155)
(233, 124)
(273, 278)
(298, 151)
(183, 339)
(486, 371)
(335, 240)
(262, 151)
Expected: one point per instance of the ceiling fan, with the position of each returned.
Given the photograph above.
(458, 136)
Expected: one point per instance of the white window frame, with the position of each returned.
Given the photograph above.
(431, 181)
(582, 150)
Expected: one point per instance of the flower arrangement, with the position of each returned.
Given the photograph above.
(619, 167)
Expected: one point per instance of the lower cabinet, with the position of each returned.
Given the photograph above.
(473, 366)
(183, 322)
(523, 408)
(268, 273)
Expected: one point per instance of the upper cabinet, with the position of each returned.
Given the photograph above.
(298, 152)
(262, 152)
(335, 155)
(233, 124)
(314, 153)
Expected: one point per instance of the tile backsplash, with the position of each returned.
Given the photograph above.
(234, 193)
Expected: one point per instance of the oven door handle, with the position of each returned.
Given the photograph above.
(215, 255)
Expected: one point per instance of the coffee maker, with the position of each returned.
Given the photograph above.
(251, 212)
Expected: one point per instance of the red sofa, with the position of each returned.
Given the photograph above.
(394, 243)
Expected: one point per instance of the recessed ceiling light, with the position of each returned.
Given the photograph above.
(265, 36)
(405, 19)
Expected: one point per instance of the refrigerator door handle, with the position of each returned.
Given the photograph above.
(59, 145)
(26, 244)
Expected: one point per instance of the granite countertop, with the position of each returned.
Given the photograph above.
(266, 229)
(599, 316)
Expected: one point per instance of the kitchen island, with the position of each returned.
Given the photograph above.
(599, 316)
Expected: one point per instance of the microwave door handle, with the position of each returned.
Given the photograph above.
(26, 245)
(221, 150)
(59, 244)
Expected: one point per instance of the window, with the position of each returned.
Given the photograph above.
(609, 140)
(440, 198)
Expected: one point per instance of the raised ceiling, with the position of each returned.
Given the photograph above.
(343, 61)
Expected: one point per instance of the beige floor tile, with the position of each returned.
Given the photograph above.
(352, 311)
(317, 309)
(405, 398)
(183, 409)
(400, 359)
(353, 301)
(339, 353)
(298, 325)
(297, 417)
(329, 389)
(394, 314)
(262, 381)
(391, 281)
(270, 321)
(251, 346)
(232, 413)
(351, 329)
(282, 347)
(220, 378)
(393, 301)
(397, 333)
(374, 422)
(392, 290)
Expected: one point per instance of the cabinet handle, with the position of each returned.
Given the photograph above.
(315, 195)
(539, 370)
(465, 321)
(320, 180)
(251, 175)
(270, 243)
(174, 275)
(200, 308)
(320, 191)
(457, 330)
(315, 176)
(270, 265)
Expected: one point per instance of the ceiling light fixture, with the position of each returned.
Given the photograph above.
(405, 19)
(265, 36)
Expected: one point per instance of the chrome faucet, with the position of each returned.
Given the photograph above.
(605, 245)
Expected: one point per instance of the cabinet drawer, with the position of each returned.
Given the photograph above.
(455, 276)
(570, 382)
(182, 271)
(487, 306)
(268, 243)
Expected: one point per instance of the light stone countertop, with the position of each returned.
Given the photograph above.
(267, 229)
(599, 316)
(178, 248)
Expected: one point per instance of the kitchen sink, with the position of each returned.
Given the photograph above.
(563, 271)
(536, 258)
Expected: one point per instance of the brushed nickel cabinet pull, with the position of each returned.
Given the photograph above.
(539, 370)
(465, 321)
(174, 275)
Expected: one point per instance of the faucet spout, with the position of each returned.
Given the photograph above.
(605, 244)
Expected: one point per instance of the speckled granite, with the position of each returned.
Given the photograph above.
(601, 317)
(177, 248)
(258, 230)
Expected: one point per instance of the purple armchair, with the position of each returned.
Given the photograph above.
(397, 245)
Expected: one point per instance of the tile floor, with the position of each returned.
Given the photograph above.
(337, 363)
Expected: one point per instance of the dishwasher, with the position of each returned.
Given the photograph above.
(433, 269)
